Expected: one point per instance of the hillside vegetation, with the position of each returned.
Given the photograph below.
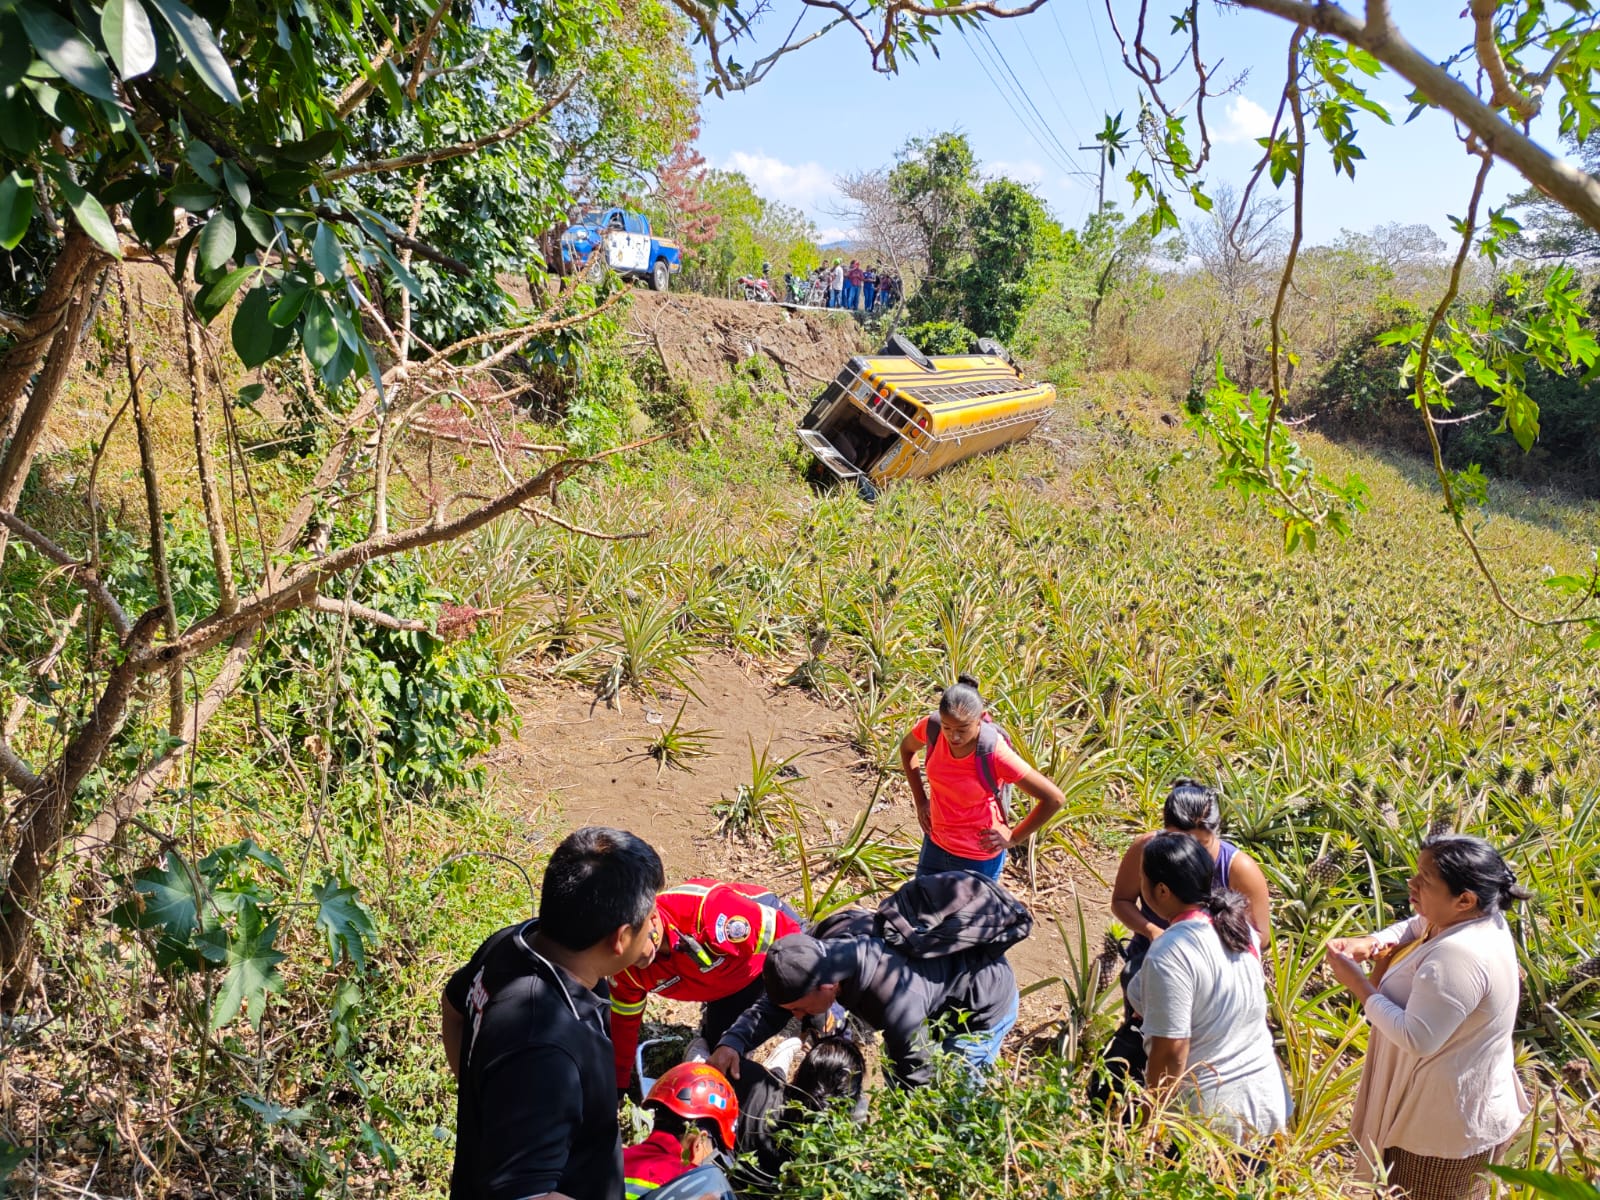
(1131, 623)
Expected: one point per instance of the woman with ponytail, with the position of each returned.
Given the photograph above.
(1202, 997)
(1439, 1090)
(970, 766)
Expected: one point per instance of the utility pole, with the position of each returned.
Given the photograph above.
(1099, 148)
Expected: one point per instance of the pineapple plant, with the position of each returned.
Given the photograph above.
(1330, 864)
(1444, 821)
(1109, 961)
(1588, 969)
(1525, 781)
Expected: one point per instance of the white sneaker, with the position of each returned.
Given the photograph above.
(697, 1051)
(781, 1060)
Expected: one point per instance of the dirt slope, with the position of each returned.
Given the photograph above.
(593, 768)
(700, 338)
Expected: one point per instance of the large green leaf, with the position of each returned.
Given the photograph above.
(217, 241)
(1558, 1187)
(253, 333)
(320, 334)
(200, 48)
(346, 921)
(252, 969)
(132, 42)
(16, 209)
(67, 51)
(329, 255)
(90, 215)
(171, 901)
(153, 218)
(213, 298)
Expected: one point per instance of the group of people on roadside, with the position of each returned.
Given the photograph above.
(856, 288)
(540, 1027)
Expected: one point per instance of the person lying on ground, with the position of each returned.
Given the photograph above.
(928, 971)
(1191, 808)
(1201, 997)
(524, 1028)
(710, 940)
(1439, 1094)
(970, 767)
(695, 1114)
(774, 1110)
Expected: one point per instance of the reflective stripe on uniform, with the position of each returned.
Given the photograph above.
(769, 927)
(634, 1188)
(627, 1010)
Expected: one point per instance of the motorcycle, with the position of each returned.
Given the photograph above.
(757, 290)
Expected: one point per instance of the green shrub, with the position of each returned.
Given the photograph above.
(942, 337)
(422, 704)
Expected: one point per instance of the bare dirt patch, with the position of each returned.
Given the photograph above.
(595, 768)
(700, 338)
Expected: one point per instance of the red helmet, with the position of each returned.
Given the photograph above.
(697, 1090)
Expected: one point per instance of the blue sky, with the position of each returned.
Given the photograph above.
(823, 112)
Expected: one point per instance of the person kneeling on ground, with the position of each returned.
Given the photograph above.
(928, 970)
(708, 941)
(773, 1110)
(524, 1028)
(1202, 997)
(695, 1115)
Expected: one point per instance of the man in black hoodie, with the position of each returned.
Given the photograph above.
(927, 970)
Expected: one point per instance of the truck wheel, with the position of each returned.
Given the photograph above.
(660, 277)
(898, 343)
(993, 348)
(596, 269)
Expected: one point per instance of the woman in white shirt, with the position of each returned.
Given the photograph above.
(1202, 996)
(1439, 1090)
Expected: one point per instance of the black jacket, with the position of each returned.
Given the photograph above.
(895, 988)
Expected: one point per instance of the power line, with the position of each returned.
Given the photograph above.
(1094, 27)
(997, 81)
(1072, 58)
(1045, 125)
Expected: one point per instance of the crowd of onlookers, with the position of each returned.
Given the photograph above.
(543, 1046)
(856, 288)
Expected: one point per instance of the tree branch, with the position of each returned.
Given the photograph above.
(361, 612)
(422, 158)
(91, 582)
(1575, 190)
(16, 772)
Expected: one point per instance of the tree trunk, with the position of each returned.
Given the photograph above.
(44, 808)
(19, 363)
(20, 360)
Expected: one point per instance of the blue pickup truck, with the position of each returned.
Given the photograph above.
(623, 241)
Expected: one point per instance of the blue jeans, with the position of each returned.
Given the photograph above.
(981, 1047)
(935, 860)
(871, 295)
(834, 295)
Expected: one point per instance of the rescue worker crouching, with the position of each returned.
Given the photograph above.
(696, 1116)
(710, 941)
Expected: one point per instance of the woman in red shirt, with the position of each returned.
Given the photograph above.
(963, 822)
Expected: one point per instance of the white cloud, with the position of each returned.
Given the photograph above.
(1243, 121)
(804, 185)
(834, 234)
(1023, 171)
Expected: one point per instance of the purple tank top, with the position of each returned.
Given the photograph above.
(1219, 877)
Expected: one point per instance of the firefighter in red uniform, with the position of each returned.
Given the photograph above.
(711, 939)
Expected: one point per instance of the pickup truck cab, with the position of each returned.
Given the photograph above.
(623, 241)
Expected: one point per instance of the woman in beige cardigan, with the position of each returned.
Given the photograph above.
(1439, 1091)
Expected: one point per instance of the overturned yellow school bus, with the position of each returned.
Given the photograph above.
(900, 414)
